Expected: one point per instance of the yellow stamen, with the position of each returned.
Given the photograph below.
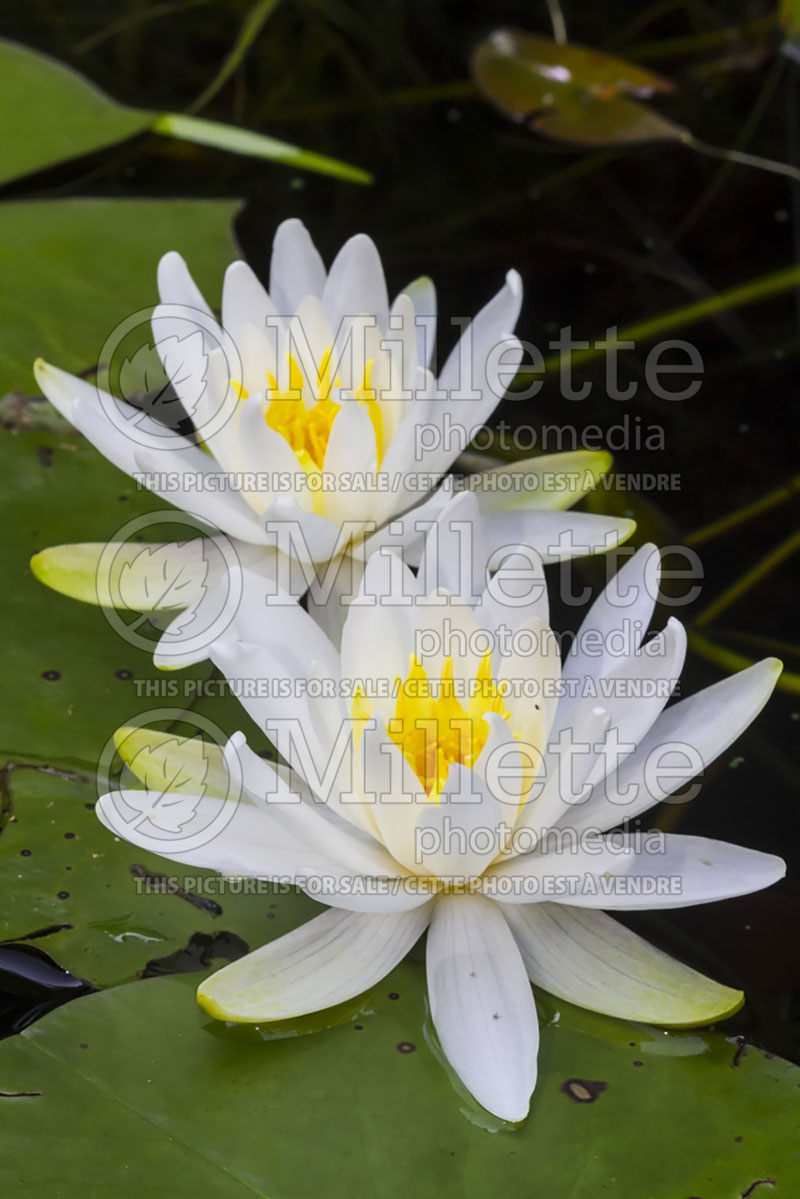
(308, 428)
(432, 728)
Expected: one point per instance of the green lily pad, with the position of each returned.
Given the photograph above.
(73, 269)
(572, 93)
(51, 114)
(101, 907)
(70, 679)
(365, 1109)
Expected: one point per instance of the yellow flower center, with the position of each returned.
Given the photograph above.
(308, 428)
(433, 729)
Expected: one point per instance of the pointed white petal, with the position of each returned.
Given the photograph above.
(184, 478)
(482, 1004)
(684, 741)
(176, 285)
(296, 270)
(233, 837)
(457, 838)
(552, 481)
(673, 871)
(589, 959)
(79, 402)
(395, 795)
(556, 536)
(351, 450)
(356, 285)
(315, 824)
(455, 557)
(472, 379)
(422, 294)
(621, 614)
(304, 535)
(334, 957)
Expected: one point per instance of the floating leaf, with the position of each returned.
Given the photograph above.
(99, 907)
(570, 92)
(366, 1109)
(107, 252)
(50, 114)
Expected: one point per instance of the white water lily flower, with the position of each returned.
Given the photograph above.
(467, 797)
(317, 411)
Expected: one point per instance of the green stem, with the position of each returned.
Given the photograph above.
(748, 580)
(781, 649)
(251, 27)
(717, 527)
(746, 160)
(403, 97)
(698, 43)
(728, 660)
(688, 314)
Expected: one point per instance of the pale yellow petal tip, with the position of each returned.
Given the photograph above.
(161, 664)
(49, 567)
(210, 1006)
(42, 371)
(128, 741)
(216, 1011)
(729, 1003)
(627, 528)
(601, 461)
(38, 565)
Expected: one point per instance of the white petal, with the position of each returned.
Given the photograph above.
(589, 959)
(624, 609)
(482, 1004)
(176, 285)
(268, 456)
(548, 481)
(463, 830)
(315, 824)
(633, 694)
(516, 593)
(233, 837)
(250, 318)
(304, 535)
(78, 401)
(556, 536)
(472, 383)
(407, 535)
(684, 741)
(455, 557)
(399, 797)
(620, 874)
(189, 636)
(356, 285)
(562, 780)
(378, 632)
(422, 294)
(351, 449)
(330, 606)
(296, 270)
(183, 478)
(334, 957)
